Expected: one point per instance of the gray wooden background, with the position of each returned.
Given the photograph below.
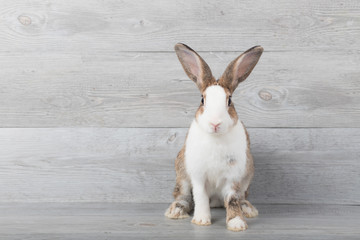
(94, 104)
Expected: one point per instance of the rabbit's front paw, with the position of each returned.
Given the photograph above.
(176, 211)
(201, 220)
(237, 224)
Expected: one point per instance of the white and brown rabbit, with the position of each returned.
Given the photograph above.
(215, 167)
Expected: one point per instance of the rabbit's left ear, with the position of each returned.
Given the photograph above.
(194, 66)
(239, 69)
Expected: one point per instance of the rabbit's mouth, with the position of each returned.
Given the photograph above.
(216, 131)
(215, 127)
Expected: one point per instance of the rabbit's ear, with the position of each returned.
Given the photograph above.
(195, 67)
(240, 68)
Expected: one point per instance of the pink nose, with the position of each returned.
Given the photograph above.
(215, 125)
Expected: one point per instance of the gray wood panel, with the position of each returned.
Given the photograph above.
(286, 89)
(96, 26)
(146, 221)
(136, 165)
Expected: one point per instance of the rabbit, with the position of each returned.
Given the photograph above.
(214, 168)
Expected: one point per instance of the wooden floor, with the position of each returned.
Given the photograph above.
(146, 221)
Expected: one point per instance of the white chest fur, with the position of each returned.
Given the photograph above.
(217, 160)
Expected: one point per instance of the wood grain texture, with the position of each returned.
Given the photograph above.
(137, 165)
(286, 89)
(146, 221)
(67, 65)
(208, 25)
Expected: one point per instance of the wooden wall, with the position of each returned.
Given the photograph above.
(94, 104)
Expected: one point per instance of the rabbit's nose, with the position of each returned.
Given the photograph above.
(215, 125)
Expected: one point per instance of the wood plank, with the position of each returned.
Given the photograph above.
(209, 25)
(286, 89)
(146, 221)
(137, 165)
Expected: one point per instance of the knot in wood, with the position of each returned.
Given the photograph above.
(24, 20)
(172, 138)
(265, 95)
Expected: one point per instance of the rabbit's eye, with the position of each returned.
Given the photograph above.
(202, 100)
(229, 101)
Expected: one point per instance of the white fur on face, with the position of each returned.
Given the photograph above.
(215, 111)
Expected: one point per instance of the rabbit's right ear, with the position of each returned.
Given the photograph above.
(195, 67)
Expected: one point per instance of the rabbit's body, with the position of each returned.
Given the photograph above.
(219, 161)
(215, 167)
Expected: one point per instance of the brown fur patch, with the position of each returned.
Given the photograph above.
(183, 203)
(247, 137)
(179, 205)
(233, 114)
(231, 109)
(250, 161)
(236, 187)
(207, 82)
(233, 208)
(199, 111)
(180, 172)
(179, 192)
(242, 186)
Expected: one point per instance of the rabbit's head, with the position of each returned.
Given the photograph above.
(216, 113)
